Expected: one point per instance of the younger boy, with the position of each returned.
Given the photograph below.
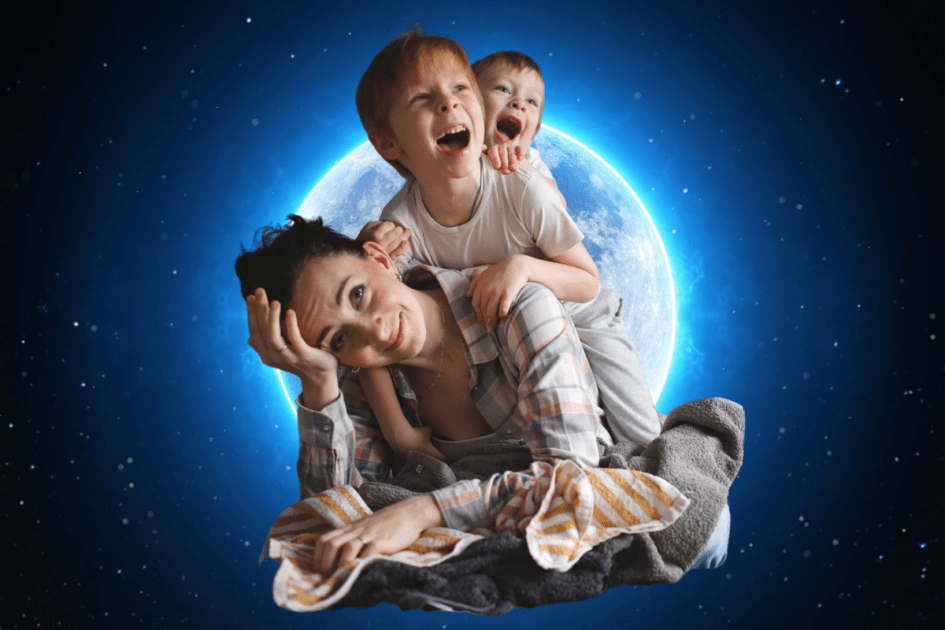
(513, 94)
(423, 112)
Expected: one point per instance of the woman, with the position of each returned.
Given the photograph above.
(526, 379)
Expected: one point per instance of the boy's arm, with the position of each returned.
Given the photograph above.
(572, 276)
(402, 437)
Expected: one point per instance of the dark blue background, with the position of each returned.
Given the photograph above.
(146, 450)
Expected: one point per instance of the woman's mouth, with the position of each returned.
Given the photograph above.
(399, 337)
(508, 128)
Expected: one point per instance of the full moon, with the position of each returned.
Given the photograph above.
(618, 233)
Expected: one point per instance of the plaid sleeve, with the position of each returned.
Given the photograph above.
(557, 397)
(472, 503)
(557, 407)
(340, 444)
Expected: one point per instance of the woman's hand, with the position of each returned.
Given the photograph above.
(387, 531)
(316, 368)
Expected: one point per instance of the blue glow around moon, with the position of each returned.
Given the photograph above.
(619, 233)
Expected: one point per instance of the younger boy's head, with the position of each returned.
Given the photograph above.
(513, 92)
(414, 84)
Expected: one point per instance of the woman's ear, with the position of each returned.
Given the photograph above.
(379, 255)
(385, 144)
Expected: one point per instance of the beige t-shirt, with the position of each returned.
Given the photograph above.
(534, 158)
(519, 213)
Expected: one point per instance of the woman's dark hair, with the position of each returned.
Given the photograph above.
(280, 252)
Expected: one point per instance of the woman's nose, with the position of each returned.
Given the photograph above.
(378, 329)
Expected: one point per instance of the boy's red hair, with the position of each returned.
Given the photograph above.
(394, 66)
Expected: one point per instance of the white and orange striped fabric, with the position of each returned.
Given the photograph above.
(564, 512)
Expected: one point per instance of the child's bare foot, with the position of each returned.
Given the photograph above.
(414, 439)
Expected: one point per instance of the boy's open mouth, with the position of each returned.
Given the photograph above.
(508, 128)
(454, 139)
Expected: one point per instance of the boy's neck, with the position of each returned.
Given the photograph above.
(450, 201)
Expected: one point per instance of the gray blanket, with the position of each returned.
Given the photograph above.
(699, 451)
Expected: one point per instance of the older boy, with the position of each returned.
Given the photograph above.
(422, 109)
(420, 104)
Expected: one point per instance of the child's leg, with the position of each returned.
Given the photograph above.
(612, 355)
(378, 388)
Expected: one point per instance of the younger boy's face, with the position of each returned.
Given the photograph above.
(513, 104)
(436, 120)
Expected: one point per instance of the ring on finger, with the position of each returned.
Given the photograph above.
(363, 542)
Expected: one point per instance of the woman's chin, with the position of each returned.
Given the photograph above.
(414, 338)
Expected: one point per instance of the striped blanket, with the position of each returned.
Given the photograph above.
(565, 514)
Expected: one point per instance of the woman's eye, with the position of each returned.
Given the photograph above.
(357, 293)
(459, 87)
(338, 342)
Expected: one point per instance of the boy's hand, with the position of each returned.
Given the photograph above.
(493, 288)
(392, 237)
(506, 157)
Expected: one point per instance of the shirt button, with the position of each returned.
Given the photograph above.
(508, 431)
(326, 428)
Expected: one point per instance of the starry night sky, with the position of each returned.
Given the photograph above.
(790, 156)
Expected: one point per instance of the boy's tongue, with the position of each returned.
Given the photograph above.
(453, 142)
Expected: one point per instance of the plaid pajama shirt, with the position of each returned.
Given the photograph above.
(529, 379)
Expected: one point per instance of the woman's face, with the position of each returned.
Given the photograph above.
(357, 309)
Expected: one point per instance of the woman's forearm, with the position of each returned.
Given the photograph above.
(427, 512)
(340, 443)
(386, 531)
(318, 393)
